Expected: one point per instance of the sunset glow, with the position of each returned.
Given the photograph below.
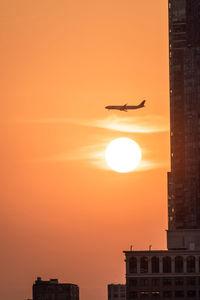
(64, 212)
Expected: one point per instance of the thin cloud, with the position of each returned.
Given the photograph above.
(94, 155)
(145, 124)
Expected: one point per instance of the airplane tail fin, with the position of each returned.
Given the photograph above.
(142, 103)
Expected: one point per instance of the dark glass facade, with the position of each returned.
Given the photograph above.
(184, 52)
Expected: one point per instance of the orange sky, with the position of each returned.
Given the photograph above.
(63, 213)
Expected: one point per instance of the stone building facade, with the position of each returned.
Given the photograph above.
(167, 274)
(116, 292)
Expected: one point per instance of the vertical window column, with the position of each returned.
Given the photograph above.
(184, 264)
(144, 264)
(167, 264)
(138, 265)
(191, 264)
(199, 264)
(178, 264)
(196, 264)
(127, 265)
(133, 265)
(155, 265)
(149, 265)
(160, 264)
(173, 264)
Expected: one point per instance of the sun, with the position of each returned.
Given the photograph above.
(123, 155)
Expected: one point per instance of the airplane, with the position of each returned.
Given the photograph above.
(126, 107)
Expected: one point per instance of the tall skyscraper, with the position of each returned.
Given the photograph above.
(175, 273)
(53, 290)
(184, 178)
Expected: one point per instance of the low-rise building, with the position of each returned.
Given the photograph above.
(116, 292)
(167, 274)
(53, 290)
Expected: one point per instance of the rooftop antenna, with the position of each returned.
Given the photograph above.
(131, 248)
(150, 246)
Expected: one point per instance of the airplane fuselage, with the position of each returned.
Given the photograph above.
(122, 107)
(125, 107)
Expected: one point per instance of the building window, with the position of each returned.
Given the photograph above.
(178, 264)
(167, 264)
(167, 281)
(179, 294)
(116, 289)
(190, 264)
(155, 264)
(132, 282)
(144, 282)
(167, 294)
(133, 265)
(179, 281)
(133, 295)
(191, 281)
(191, 294)
(144, 264)
(199, 258)
(155, 281)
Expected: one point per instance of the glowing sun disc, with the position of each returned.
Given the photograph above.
(123, 155)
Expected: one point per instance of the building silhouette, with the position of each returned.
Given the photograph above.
(53, 290)
(184, 178)
(116, 292)
(175, 273)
